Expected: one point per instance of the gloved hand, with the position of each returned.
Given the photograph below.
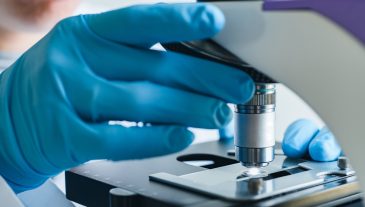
(303, 137)
(56, 100)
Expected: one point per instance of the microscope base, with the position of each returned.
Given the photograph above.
(214, 181)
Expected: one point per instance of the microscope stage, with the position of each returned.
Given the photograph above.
(282, 176)
(182, 179)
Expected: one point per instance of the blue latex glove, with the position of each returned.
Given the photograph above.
(303, 137)
(227, 132)
(56, 100)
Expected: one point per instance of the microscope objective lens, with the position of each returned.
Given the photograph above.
(255, 128)
(252, 172)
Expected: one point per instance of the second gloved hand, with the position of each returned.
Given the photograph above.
(304, 138)
(57, 99)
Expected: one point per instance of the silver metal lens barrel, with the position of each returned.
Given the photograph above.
(255, 127)
(255, 157)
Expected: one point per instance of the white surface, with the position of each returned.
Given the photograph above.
(7, 196)
(316, 58)
(46, 195)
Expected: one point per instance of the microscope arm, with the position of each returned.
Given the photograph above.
(313, 56)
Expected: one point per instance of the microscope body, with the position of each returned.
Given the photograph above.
(316, 57)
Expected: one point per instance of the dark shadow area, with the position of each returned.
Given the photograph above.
(206, 160)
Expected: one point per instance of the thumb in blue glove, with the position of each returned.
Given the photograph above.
(303, 138)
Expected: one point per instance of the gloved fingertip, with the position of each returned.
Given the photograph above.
(321, 152)
(179, 138)
(292, 152)
(246, 89)
(324, 147)
(297, 138)
(223, 115)
(212, 19)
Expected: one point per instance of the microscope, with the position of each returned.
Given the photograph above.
(315, 48)
(254, 121)
(254, 127)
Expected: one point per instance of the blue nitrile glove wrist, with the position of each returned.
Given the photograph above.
(303, 138)
(57, 99)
